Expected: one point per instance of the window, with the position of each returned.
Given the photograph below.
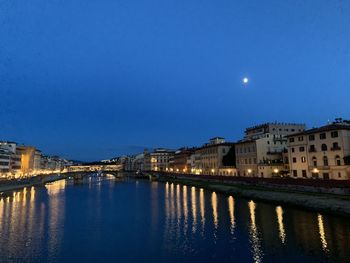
(292, 130)
(292, 150)
(335, 146)
(324, 147)
(326, 176)
(303, 159)
(295, 173)
(303, 173)
(334, 134)
(339, 174)
(291, 139)
(337, 160)
(312, 148)
(294, 160)
(323, 136)
(302, 149)
(311, 137)
(223, 150)
(325, 161)
(300, 138)
(314, 161)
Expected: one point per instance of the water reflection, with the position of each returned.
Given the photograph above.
(214, 205)
(56, 216)
(202, 208)
(194, 209)
(56, 187)
(231, 209)
(254, 237)
(282, 232)
(322, 232)
(185, 208)
(179, 224)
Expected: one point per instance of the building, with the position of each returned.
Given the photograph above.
(37, 160)
(210, 157)
(322, 152)
(10, 160)
(180, 161)
(134, 163)
(260, 152)
(158, 160)
(27, 154)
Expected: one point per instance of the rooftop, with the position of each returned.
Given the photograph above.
(273, 123)
(329, 127)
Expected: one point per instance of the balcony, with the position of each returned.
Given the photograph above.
(337, 148)
(312, 150)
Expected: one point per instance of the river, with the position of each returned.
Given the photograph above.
(109, 220)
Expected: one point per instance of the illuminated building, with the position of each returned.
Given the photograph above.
(180, 161)
(158, 160)
(322, 152)
(260, 152)
(211, 157)
(27, 158)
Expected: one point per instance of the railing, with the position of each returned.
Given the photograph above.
(335, 148)
(312, 150)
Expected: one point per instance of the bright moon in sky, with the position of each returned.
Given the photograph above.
(245, 80)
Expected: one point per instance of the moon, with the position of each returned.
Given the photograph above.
(245, 80)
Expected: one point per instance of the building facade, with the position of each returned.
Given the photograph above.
(211, 157)
(158, 160)
(180, 161)
(321, 152)
(260, 152)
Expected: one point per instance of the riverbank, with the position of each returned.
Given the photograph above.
(12, 185)
(319, 202)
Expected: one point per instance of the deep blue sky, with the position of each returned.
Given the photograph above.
(94, 79)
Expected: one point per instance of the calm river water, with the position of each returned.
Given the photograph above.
(105, 220)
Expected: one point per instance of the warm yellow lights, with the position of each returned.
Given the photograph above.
(322, 232)
(249, 171)
(315, 170)
(282, 232)
(276, 171)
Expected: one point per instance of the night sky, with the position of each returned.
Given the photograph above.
(95, 79)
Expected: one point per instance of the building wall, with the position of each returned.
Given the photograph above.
(263, 145)
(308, 158)
(211, 157)
(158, 160)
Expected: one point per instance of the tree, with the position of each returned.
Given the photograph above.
(230, 158)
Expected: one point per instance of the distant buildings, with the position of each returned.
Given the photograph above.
(266, 150)
(158, 160)
(20, 160)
